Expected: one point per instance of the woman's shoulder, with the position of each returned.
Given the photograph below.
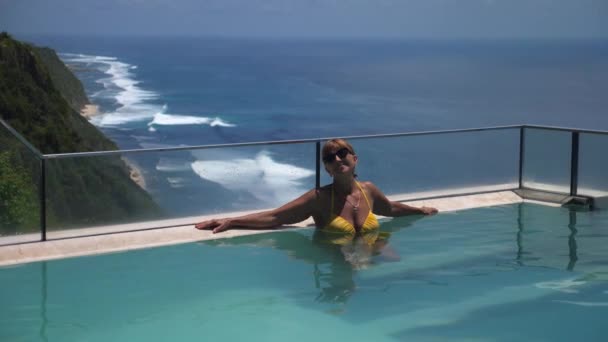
(369, 187)
(323, 191)
(324, 188)
(317, 193)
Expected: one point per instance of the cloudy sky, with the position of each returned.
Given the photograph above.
(436, 19)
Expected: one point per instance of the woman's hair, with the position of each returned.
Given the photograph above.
(334, 145)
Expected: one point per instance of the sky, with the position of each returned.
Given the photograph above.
(409, 19)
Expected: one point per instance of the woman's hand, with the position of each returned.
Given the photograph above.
(216, 225)
(428, 210)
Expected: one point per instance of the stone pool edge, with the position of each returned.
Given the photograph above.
(182, 232)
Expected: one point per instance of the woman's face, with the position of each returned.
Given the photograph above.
(340, 161)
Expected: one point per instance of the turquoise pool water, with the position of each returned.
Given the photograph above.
(517, 272)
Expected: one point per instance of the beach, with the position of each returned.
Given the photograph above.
(89, 111)
(135, 173)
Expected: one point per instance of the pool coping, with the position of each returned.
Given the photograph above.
(182, 231)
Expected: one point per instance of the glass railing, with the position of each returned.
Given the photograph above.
(20, 204)
(174, 184)
(91, 193)
(187, 182)
(433, 165)
(546, 160)
(593, 168)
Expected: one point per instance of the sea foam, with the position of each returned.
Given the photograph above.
(172, 165)
(164, 119)
(133, 102)
(269, 181)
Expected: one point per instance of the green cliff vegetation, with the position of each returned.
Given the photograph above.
(39, 98)
(64, 80)
(19, 203)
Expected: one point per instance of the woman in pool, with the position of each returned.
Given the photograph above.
(346, 206)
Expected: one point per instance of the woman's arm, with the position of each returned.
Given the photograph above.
(295, 211)
(384, 207)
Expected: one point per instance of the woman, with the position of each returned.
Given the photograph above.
(346, 206)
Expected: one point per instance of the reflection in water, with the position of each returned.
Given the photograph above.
(572, 241)
(572, 245)
(335, 258)
(520, 233)
(43, 304)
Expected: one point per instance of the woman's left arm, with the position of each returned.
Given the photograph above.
(383, 206)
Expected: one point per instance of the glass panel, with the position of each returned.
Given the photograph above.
(593, 167)
(439, 164)
(547, 160)
(100, 191)
(19, 191)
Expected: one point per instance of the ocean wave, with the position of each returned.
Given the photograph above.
(120, 85)
(269, 181)
(172, 165)
(163, 119)
(78, 57)
(177, 182)
(134, 103)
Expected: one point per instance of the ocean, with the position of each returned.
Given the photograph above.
(184, 91)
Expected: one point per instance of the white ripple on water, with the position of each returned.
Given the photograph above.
(566, 285)
(578, 303)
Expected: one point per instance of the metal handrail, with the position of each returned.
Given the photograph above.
(566, 129)
(281, 142)
(273, 142)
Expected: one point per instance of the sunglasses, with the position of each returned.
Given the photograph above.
(342, 153)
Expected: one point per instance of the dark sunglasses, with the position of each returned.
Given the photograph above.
(342, 153)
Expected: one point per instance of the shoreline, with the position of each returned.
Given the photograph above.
(89, 111)
(135, 173)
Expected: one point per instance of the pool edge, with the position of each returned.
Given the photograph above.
(111, 243)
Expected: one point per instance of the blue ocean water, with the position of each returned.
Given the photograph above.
(282, 89)
(166, 92)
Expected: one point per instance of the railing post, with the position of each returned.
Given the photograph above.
(318, 165)
(521, 155)
(43, 199)
(574, 165)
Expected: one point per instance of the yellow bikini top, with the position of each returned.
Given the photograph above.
(340, 225)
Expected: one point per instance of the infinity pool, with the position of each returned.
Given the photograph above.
(518, 272)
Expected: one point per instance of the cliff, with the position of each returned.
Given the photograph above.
(40, 98)
(64, 80)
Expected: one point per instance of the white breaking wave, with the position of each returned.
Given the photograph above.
(134, 103)
(177, 182)
(271, 182)
(164, 119)
(171, 165)
(121, 86)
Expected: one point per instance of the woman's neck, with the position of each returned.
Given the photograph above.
(344, 185)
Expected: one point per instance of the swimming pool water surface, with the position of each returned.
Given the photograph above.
(525, 271)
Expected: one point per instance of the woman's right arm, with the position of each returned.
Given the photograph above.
(295, 211)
